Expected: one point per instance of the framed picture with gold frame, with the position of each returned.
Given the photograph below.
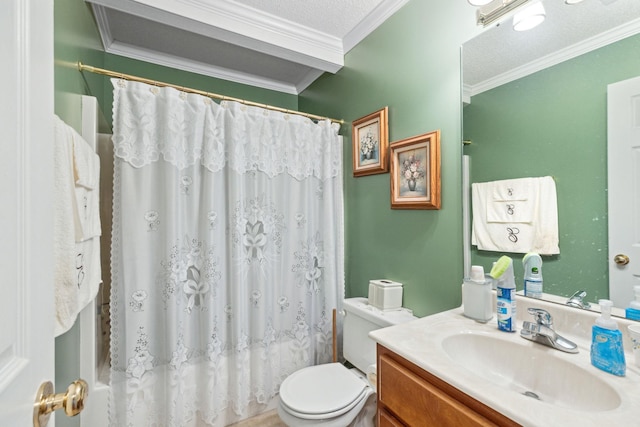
(370, 136)
(415, 172)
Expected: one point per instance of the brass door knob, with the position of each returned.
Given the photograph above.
(621, 259)
(47, 401)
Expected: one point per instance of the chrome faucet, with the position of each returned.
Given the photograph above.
(576, 300)
(541, 331)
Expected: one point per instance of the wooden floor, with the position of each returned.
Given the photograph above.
(268, 419)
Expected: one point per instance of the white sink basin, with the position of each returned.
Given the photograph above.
(533, 371)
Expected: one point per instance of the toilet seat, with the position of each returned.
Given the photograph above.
(322, 391)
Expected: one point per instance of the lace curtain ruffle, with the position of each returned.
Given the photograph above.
(196, 129)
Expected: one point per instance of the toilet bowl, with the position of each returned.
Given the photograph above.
(332, 395)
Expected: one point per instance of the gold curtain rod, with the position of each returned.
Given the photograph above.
(82, 67)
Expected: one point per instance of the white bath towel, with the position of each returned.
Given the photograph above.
(77, 275)
(86, 163)
(511, 189)
(88, 270)
(86, 167)
(66, 295)
(540, 235)
(511, 210)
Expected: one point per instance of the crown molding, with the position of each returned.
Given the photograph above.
(246, 27)
(254, 29)
(372, 21)
(466, 95)
(309, 78)
(588, 45)
(102, 20)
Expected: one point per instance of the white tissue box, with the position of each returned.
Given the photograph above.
(385, 294)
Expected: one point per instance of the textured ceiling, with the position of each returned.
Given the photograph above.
(282, 45)
(500, 54)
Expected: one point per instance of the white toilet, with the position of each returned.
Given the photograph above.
(332, 395)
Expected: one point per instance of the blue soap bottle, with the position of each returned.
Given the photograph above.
(607, 352)
(633, 311)
(502, 271)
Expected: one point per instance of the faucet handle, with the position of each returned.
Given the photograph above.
(543, 317)
(577, 300)
(579, 294)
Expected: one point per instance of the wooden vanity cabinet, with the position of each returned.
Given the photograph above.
(410, 396)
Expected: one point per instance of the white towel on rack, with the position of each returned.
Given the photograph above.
(66, 295)
(521, 211)
(86, 167)
(511, 189)
(539, 235)
(88, 270)
(77, 271)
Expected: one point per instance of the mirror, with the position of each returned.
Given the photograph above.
(535, 105)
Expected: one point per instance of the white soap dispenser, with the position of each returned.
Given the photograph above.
(476, 296)
(532, 263)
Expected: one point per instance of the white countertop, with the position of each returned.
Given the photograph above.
(419, 341)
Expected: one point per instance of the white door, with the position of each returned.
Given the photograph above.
(624, 189)
(26, 172)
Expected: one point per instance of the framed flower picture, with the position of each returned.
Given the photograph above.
(415, 172)
(370, 136)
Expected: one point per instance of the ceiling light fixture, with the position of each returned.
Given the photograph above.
(530, 17)
(482, 2)
(497, 10)
(573, 1)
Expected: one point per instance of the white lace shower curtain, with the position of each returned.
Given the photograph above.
(227, 255)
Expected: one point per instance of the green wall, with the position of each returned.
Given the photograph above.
(76, 39)
(554, 122)
(411, 64)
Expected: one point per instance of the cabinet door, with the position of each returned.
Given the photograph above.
(409, 395)
(385, 419)
(419, 403)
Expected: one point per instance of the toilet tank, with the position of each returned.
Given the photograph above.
(361, 318)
